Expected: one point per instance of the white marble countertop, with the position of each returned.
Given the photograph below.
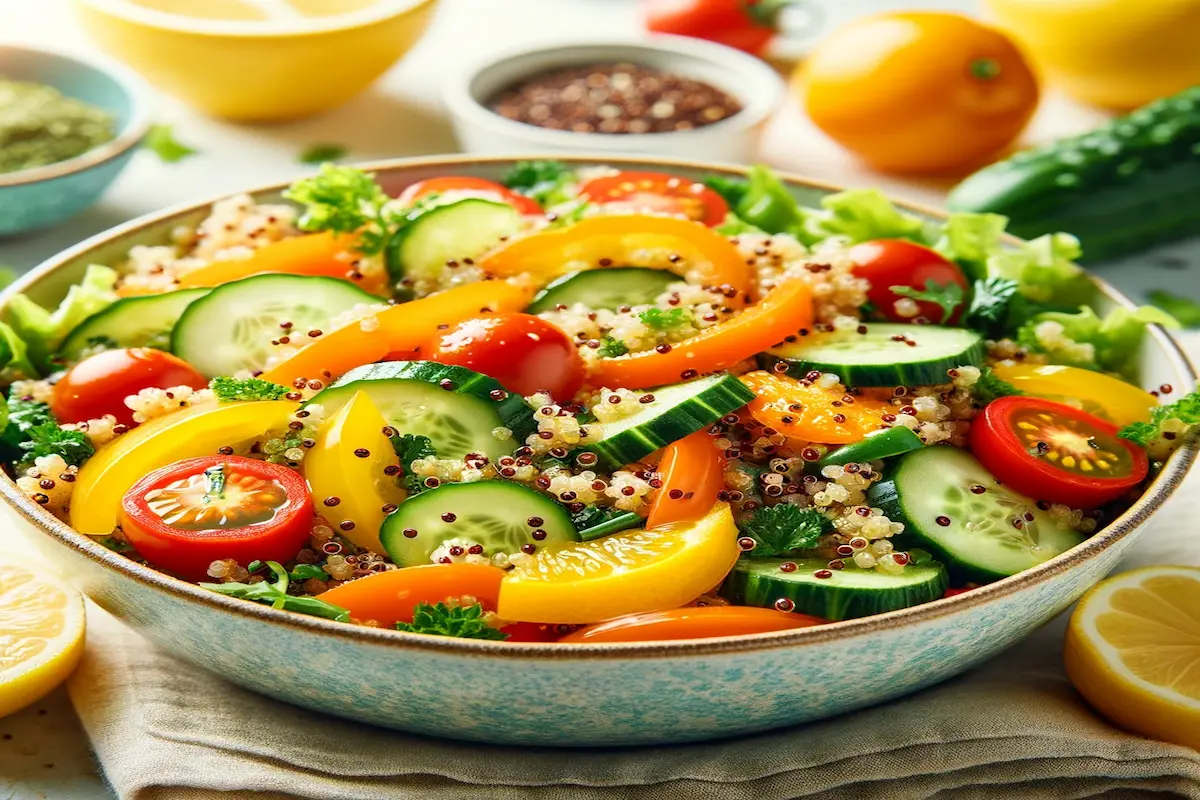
(43, 752)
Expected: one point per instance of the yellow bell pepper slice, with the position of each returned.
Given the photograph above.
(627, 573)
(188, 433)
(346, 470)
(1106, 397)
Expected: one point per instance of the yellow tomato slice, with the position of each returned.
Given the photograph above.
(687, 248)
(348, 471)
(188, 433)
(626, 573)
(805, 412)
(1096, 393)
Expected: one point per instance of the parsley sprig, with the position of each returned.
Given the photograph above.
(947, 295)
(612, 347)
(463, 622)
(990, 303)
(989, 387)
(274, 593)
(1186, 409)
(231, 390)
(546, 181)
(661, 320)
(783, 529)
(409, 447)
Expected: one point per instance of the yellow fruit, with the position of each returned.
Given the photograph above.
(1096, 393)
(626, 573)
(1133, 650)
(41, 634)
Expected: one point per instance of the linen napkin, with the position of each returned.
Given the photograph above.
(1011, 728)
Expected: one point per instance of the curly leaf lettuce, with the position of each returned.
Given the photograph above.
(42, 331)
(1083, 339)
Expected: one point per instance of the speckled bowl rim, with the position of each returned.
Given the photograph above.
(381, 11)
(1164, 484)
(130, 135)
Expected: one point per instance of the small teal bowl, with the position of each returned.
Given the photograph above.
(43, 196)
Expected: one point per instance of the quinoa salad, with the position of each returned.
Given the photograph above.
(584, 405)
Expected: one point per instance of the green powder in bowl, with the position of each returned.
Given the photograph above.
(39, 125)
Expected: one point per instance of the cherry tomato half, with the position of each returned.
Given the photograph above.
(897, 262)
(525, 353)
(701, 622)
(657, 191)
(185, 516)
(479, 186)
(99, 384)
(1054, 452)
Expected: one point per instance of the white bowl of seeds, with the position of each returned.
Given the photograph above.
(654, 95)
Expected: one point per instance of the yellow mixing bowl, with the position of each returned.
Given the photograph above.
(227, 59)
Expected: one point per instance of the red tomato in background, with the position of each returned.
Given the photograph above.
(256, 511)
(99, 384)
(526, 205)
(657, 191)
(1051, 451)
(747, 25)
(897, 262)
(524, 353)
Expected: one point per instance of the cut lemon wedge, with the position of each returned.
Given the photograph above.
(41, 634)
(1133, 650)
(626, 573)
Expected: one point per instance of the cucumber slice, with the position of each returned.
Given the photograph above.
(501, 516)
(847, 593)
(877, 445)
(676, 411)
(450, 232)
(457, 408)
(883, 356)
(952, 506)
(608, 288)
(130, 322)
(231, 328)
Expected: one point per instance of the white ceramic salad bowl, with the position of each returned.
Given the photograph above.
(576, 695)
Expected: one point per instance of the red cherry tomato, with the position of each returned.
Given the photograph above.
(533, 632)
(185, 516)
(748, 25)
(655, 191)
(1051, 451)
(956, 592)
(699, 622)
(521, 351)
(480, 186)
(98, 385)
(897, 262)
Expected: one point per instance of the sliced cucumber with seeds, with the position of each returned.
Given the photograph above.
(130, 322)
(608, 288)
(886, 355)
(875, 446)
(451, 232)
(840, 594)
(502, 517)
(952, 506)
(457, 408)
(230, 329)
(673, 413)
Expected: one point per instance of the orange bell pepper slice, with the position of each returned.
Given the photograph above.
(785, 310)
(621, 240)
(399, 328)
(692, 473)
(805, 412)
(313, 254)
(391, 597)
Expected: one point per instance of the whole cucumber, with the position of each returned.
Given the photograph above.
(1122, 188)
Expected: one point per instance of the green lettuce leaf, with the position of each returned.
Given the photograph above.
(43, 331)
(862, 215)
(1045, 270)
(767, 204)
(1083, 339)
(970, 240)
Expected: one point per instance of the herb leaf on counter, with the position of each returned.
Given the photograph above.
(161, 141)
(322, 152)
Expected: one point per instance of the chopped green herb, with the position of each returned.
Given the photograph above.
(344, 200)
(569, 216)
(591, 517)
(949, 296)
(1184, 309)
(611, 347)
(736, 226)
(546, 181)
(321, 153)
(162, 142)
(47, 439)
(463, 622)
(118, 545)
(783, 529)
(232, 390)
(409, 447)
(1186, 409)
(990, 303)
(665, 320)
(989, 387)
(303, 572)
(274, 593)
